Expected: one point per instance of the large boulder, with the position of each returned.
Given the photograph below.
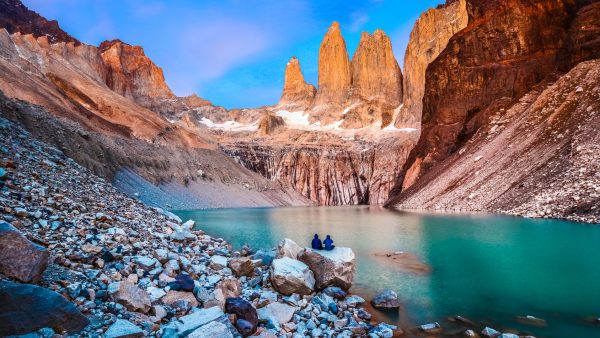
(241, 266)
(288, 248)
(330, 268)
(246, 318)
(26, 308)
(292, 276)
(20, 258)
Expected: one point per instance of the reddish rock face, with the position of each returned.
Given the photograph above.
(296, 91)
(131, 73)
(334, 68)
(15, 17)
(375, 71)
(584, 34)
(429, 37)
(499, 54)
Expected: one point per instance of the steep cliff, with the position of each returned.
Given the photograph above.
(129, 72)
(539, 156)
(498, 55)
(428, 38)
(376, 88)
(334, 68)
(297, 94)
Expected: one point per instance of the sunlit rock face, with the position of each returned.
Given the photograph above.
(131, 73)
(297, 94)
(334, 68)
(429, 37)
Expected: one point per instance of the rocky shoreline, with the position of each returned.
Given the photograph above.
(118, 268)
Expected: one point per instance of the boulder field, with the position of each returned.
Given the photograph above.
(107, 265)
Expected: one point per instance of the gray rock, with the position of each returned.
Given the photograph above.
(20, 258)
(489, 332)
(212, 330)
(280, 312)
(291, 276)
(288, 248)
(187, 324)
(331, 268)
(26, 308)
(387, 299)
(122, 328)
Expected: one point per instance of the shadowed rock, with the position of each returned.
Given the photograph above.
(331, 268)
(20, 258)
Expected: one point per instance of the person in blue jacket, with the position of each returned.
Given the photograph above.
(316, 243)
(328, 243)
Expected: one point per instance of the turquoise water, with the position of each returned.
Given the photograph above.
(487, 268)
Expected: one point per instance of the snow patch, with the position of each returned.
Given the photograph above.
(229, 125)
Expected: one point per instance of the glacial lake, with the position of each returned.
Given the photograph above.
(486, 268)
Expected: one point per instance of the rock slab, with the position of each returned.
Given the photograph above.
(20, 258)
(330, 268)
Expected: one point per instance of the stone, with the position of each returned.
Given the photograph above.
(241, 266)
(489, 332)
(215, 298)
(531, 320)
(280, 312)
(184, 282)
(431, 328)
(130, 295)
(269, 123)
(212, 330)
(187, 324)
(386, 299)
(354, 300)
(330, 268)
(230, 287)
(242, 310)
(180, 299)
(155, 293)
(288, 248)
(20, 258)
(122, 328)
(508, 335)
(335, 292)
(26, 308)
(218, 262)
(291, 276)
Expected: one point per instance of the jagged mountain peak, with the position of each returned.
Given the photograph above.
(16, 17)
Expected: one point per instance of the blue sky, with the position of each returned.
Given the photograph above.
(232, 52)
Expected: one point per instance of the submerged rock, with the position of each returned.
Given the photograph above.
(331, 268)
(291, 276)
(26, 308)
(20, 258)
(387, 299)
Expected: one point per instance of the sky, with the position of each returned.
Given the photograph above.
(232, 52)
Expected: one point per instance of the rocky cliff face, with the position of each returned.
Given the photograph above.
(129, 72)
(16, 18)
(297, 94)
(335, 174)
(334, 68)
(539, 156)
(498, 55)
(428, 39)
(584, 33)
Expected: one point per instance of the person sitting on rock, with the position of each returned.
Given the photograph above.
(316, 243)
(328, 243)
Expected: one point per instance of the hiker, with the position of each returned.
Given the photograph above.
(328, 243)
(316, 243)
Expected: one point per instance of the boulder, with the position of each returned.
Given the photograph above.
(280, 312)
(218, 262)
(241, 266)
(335, 292)
(387, 299)
(212, 330)
(180, 299)
(291, 276)
(330, 268)
(122, 328)
(245, 314)
(26, 308)
(288, 248)
(130, 295)
(230, 287)
(20, 258)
